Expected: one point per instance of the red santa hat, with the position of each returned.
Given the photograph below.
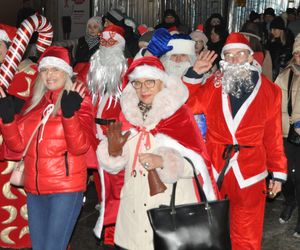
(236, 41)
(200, 27)
(112, 35)
(173, 30)
(7, 33)
(145, 67)
(142, 29)
(55, 56)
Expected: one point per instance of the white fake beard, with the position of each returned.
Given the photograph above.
(107, 67)
(236, 78)
(174, 68)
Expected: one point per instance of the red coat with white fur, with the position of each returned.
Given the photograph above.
(133, 230)
(257, 124)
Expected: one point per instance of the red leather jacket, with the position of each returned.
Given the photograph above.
(57, 164)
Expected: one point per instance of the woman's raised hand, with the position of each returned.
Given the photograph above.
(204, 62)
(71, 101)
(116, 139)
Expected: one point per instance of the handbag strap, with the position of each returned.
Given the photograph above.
(290, 108)
(46, 114)
(199, 188)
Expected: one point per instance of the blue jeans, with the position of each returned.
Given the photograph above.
(52, 219)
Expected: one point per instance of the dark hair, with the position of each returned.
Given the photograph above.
(208, 27)
(253, 28)
(253, 16)
(218, 29)
(269, 11)
(171, 12)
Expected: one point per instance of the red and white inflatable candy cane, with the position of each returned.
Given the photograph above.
(19, 44)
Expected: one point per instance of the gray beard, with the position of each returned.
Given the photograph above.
(173, 68)
(107, 67)
(236, 79)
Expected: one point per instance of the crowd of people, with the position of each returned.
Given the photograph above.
(136, 100)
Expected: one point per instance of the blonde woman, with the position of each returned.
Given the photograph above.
(280, 46)
(55, 163)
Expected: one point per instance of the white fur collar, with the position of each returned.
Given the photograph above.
(165, 103)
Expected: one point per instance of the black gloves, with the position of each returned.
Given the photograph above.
(7, 110)
(70, 102)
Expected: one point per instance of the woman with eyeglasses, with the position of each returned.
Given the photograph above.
(156, 133)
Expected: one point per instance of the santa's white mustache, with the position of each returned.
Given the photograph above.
(236, 78)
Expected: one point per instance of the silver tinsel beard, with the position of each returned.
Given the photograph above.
(236, 78)
(107, 67)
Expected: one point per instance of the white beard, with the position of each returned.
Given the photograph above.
(236, 78)
(174, 68)
(107, 67)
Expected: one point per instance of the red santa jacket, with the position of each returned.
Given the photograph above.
(58, 162)
(257, 124)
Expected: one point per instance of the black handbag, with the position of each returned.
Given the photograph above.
(293, 136)
(195, 226)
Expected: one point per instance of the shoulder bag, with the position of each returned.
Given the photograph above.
(17, 175)
(195, 226)
(293, 136)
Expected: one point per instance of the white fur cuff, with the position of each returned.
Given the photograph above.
(109, 163)
(173, 165)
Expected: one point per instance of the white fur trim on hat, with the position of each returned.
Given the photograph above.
(235, 46)
(4, 36)
(146, 71)
(182, 46)
(55, 62)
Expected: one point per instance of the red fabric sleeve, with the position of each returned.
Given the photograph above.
(79, 129)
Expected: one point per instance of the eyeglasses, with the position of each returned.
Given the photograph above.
(148, 83)
(51, 70)
(239, 54)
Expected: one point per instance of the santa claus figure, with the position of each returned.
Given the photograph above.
(244, 135)
(107, 67)
(160, 132)
(14, 232)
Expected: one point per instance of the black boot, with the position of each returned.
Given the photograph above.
(286, 213)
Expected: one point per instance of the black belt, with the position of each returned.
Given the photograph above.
(229, 148)
(105, 122)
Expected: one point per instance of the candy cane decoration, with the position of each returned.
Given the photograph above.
(19, 44)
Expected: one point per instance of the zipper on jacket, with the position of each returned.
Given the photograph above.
(67, 164)
(36, 161)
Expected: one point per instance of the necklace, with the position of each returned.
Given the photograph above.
(144, 108)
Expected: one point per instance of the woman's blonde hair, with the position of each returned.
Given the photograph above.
(40, 89)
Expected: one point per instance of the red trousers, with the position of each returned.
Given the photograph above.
(247, 207)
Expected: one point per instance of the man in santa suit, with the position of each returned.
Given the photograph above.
(176, 52)
(107, 67)
(244, 135)
(14, 232)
